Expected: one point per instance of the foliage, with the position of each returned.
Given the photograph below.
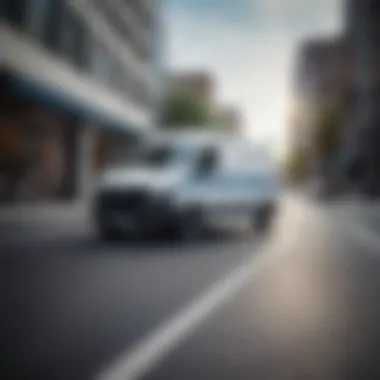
(297, 164)
(182, 109)
(321, 150)
(327, 130)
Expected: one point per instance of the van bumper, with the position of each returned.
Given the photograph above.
(151, 217)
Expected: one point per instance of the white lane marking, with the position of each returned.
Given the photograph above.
(139, 360)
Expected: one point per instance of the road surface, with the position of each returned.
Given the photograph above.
(301, 303)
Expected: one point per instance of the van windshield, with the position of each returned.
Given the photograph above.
(165, 155)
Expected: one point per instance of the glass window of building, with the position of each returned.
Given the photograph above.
(53, 24)
(125, 83)
(76, 40)
(106, 66)
(36, 17)
(68, 34)
(115, 77)
(99, 61)
(136, 92)
(15, 12)
(93, 52)
(80, 43)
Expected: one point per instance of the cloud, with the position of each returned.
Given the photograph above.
(301, 15)
(230, 11)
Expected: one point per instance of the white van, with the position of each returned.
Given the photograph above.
(185, 182)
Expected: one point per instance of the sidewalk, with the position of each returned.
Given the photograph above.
(44, 221)
(351, 207)
(369, 216)
(360, 211)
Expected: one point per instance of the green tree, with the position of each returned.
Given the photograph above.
(182, 109)
(322, 148)
(297, 164)
(327, 130)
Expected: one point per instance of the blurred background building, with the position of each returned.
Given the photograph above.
(336, 121)
(325, 70)
(324, 79)
(192, 102)
(362, 143)
(79, 81)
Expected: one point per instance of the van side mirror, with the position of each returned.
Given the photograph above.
(207, 163)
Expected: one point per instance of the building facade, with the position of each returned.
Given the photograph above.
(324, 81)
(362, 143)
(346, 71)
(325, 70)
(79, 79)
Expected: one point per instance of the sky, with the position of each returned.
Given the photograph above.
(249, 47)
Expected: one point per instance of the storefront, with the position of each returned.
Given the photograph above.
(34, 151)
(53, 147)
(46, 154)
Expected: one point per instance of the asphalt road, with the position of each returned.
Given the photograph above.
(302, 303)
